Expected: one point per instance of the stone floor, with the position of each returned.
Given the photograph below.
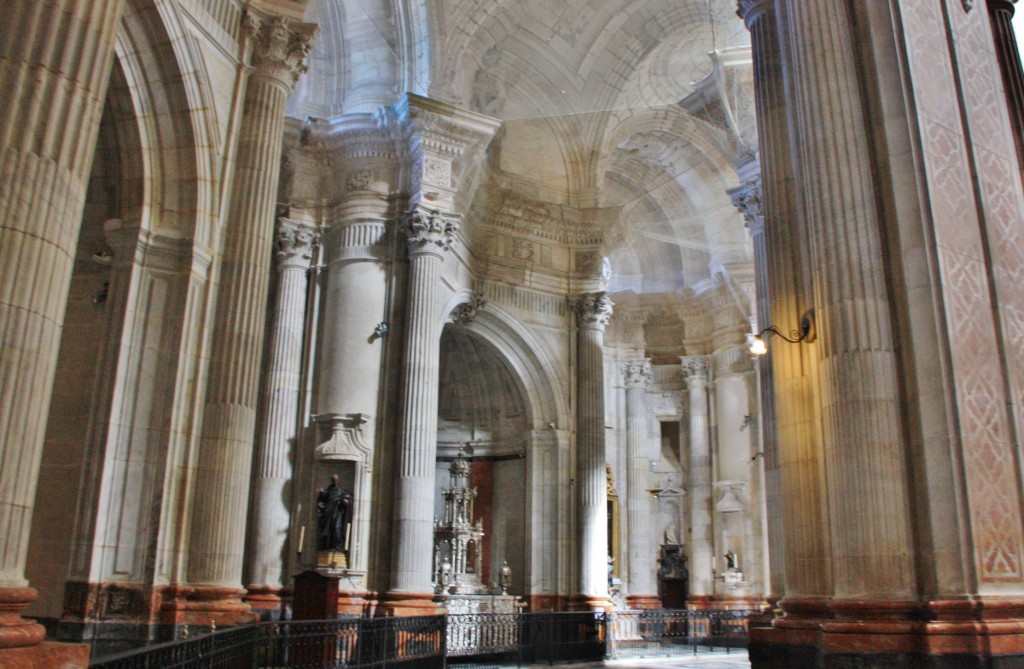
(734, 660)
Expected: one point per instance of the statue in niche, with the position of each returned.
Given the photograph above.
(333, 517)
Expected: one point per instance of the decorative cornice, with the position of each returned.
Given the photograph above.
(465, 313)
(695, 367)
(429, 231)
(593, 309)
(636, 373)
(295, 244)
(279, 46)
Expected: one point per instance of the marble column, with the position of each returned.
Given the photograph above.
(701, 540)
(296, 246)
(56, 64)
(1008, 54)
(593, 311)
(640, 508)
(429, 235)
(223, 470)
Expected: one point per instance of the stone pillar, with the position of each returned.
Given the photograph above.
(428, 235)
(224, 464)
(56, 62)
(593, 311)
(1008, 54)
(296, 244)
(700, 543)
(640, 508)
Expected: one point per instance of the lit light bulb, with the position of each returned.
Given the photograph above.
(757, 346)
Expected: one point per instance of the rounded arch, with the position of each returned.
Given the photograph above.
(529, 358)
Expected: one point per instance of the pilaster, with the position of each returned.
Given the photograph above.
(223, 471)
(428, 235)
(701, 545)
(643, 590)
(295, 247)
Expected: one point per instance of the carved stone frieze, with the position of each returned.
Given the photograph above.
(360, 180)
(279, 47)
(636, 373)
(428, 230)
(465, 313)
(594, 309)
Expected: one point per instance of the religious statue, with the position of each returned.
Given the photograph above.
(730, 561)
(505, 577)
(333, 517)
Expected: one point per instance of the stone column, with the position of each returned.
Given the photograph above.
(593, 311)
(701, 541)
(640, 508)
(749, 199)
(296, 244)
(1001, 12)
(428, 235)
(56, 62)
(224, 464)
(865, 461)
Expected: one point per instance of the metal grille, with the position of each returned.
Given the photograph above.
(478, 640)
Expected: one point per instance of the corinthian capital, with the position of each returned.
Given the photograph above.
(295, 244)
(695, 367)
(636, 373)
(748, 199)
(428, 231)
(594, 309)
(279, 46)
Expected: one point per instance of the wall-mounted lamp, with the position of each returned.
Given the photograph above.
(805, 334)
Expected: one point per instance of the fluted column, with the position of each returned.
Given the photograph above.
(643, 590)
(865, 462)
(593, 311)
(701, 545)
(225, 455)
(792, 470)
(55, 60)
(1001, 12)
(429, 235)
(274, 454)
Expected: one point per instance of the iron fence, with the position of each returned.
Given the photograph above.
(435, 641)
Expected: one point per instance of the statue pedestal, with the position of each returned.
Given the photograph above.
(331, 560)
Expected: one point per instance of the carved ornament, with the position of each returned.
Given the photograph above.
(594, 309)
(465, 313)
(279, 46)
(636, 373)
(427, 230)
(695, 367)
(295, 243)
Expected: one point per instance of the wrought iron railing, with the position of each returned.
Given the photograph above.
(434, 641)
(362, 643)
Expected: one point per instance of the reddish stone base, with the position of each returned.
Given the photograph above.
(362, 603)
(46, 655)
(406, 604)
(591, 603)
(15, 631)
(869, 634)
(538, 603)
(643, 602)
(263, 598)
(206, 606)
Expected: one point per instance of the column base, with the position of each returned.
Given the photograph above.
(538, 603)
(700, 602)
(264, 600)
(205, 606)
(878, 634)
(15, 631)
(591, 603)
(363, 603)
(46, 655)
(643, 602)
(407, 604)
